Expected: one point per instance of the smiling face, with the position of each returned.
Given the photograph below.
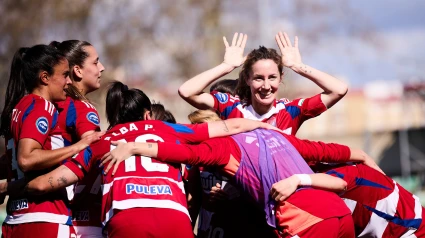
(59, 81)
(264, 82)
(91, 70)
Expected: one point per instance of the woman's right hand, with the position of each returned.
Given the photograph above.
(88, 139)
(234, 53)
(290, 54)
(284, 188)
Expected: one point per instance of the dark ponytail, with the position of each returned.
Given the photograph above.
(14, 92)
(76, 55)
(125, 105)
(26, 65)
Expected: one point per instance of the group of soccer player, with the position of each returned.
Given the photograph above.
(245, 173)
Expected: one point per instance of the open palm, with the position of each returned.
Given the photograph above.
(234, 53)
(290, 54)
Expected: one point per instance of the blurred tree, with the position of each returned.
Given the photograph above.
(28, 22)
(160, 44)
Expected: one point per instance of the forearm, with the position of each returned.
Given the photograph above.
(197, 84)
(52, 181)
(39, 159)
(334, 89)
(234, 126)
(167, 152)
(146, 149)
(327, 182)
(320, 151)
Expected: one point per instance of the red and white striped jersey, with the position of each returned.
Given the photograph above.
(380, 207)
(285, 114)
(140, 181)
(36, 118)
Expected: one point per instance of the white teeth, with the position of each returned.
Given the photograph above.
(265, 94)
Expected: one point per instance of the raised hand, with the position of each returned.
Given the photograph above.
(290, 54)
(234, 53)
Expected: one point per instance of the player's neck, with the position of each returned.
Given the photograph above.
(42, 93)
(261, 109)
(81, 89)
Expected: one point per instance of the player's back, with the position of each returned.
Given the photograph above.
(388, 210)
(268, 157)
(142, 181)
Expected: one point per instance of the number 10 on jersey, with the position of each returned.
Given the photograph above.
(148, 165)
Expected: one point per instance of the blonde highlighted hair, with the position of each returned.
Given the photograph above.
(200, 116)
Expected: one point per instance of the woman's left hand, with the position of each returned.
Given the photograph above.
(290, 54)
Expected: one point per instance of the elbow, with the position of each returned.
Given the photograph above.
(39, 189)
(24, 164)
(337, 93)
(236, 128)
(342, 91)
(183, 94)
(35, 187)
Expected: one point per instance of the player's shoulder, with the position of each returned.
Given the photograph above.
(36, 105)
(225, 98)
(287, 102)
(84, 105)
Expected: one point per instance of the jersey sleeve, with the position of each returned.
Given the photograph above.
(224, 103)
(189, 133)
(311, 107)
(302, 109)
(87, 118)
(82, 162)
(213, 152)
(38, 121)
(320, 151)
(348, 173)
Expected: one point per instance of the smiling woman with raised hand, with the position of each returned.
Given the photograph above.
(29, 123)
(259, 80)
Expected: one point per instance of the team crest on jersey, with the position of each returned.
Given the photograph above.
(42, 125)
(92, 117)
(222, 97)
